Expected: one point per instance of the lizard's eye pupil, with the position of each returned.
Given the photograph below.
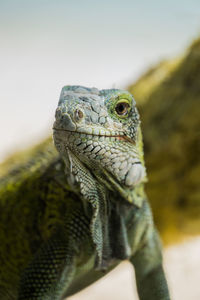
(122, 108)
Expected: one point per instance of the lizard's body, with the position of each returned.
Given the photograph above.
(66, 220)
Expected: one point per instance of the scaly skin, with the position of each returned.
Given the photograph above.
(67, 219)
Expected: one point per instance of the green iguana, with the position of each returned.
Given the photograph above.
(68, 217)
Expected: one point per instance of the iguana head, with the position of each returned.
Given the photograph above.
(102, 129)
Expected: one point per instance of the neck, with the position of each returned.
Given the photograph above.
(106, 197)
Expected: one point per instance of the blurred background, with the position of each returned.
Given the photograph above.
(151, 48)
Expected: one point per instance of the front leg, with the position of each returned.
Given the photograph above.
(51, 271)
(150, 277)
(53, 267)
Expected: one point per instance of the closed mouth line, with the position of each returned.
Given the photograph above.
(119, 137)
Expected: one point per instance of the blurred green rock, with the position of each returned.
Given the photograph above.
(168, 97)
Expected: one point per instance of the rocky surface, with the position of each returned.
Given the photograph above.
(168, 96)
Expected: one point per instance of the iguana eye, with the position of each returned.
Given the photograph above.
(122, 108)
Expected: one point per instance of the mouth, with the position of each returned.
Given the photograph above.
(113, 152)
(118, 135)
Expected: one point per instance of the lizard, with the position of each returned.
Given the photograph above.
(73, 212)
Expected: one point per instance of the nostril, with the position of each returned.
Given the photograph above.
(58, 113)
(78, 114)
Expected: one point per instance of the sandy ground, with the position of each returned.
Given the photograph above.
(182, 265)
